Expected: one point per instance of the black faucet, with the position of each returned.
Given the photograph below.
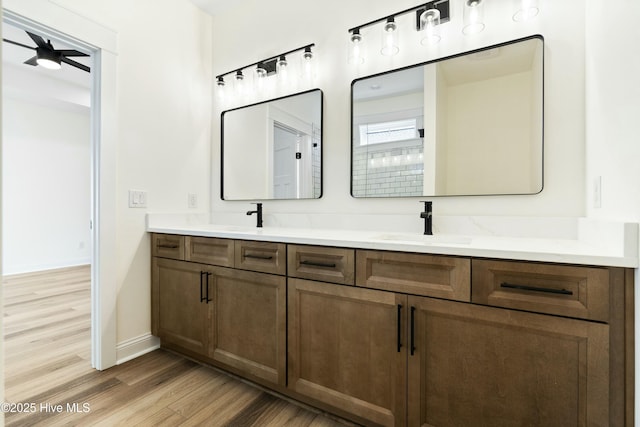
(428, 217)
(259, 212)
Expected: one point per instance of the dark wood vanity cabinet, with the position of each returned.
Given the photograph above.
(484, 366)
(181, 314)
(395, 339)
(232, 318)
(344, 350)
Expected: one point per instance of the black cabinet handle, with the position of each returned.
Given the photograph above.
(413, 330)
(258, 256)
(207, 293)
(202, 274)
(399, 327)
(536, 289)
(318, 264)
(168, 246)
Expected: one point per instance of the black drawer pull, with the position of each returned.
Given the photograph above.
(536, 289)
(202, 274)
(207, 293)
(258, 256)
(399, 327)
(413, 330)
(169, 246)
(318, 264)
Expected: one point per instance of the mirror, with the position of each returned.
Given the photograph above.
(273, 149)
(470, 124)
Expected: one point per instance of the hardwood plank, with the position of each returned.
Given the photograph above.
(47, 328)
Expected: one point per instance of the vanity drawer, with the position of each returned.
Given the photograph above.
(335, 265)
(571, 291)
(167, 246)
(210, 250)
(265, 257)
(418, 274)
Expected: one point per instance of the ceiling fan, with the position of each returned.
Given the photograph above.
(49, 57)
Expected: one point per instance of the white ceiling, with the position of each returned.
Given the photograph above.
(68, 85)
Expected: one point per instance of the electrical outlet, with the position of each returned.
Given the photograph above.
(597, 193)
(192, 201)
(137, 199)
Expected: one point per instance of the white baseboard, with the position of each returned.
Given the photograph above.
(135, 347)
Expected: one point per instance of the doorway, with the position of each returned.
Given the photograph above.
(100, 42)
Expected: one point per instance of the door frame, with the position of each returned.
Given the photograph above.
(50, 19)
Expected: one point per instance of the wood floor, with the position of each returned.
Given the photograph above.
(49, 377)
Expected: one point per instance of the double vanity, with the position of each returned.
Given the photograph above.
(400, 329)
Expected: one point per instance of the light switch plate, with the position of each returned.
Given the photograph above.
(192, 201)
(137, 199)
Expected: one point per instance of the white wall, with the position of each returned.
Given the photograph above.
(612, 111)
(46, 197)
(326, 24)
(163, 110)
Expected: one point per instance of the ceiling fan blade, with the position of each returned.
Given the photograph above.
(38, 40)
(32, 61)
(70, 52)
(75, 64)
(18, 44)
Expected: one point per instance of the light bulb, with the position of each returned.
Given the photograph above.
(390, 38)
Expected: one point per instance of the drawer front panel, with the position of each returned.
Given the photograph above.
(335, 265)
(572, 291)
(265, 257)
(167, 246)
(418, 274)
(210, 250)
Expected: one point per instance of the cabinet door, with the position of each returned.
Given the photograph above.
(484, 366)
(346, 351)
(181, 313)
(249, 326)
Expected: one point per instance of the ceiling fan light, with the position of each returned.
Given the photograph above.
(48, 59)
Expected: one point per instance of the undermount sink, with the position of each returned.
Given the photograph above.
(231, 228)
(425, 239)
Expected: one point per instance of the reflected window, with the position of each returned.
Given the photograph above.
(380, 133)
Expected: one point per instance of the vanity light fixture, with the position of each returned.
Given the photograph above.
(265, 68)
(473, 16)
(428, 17)
(525, 9)
(390, 37)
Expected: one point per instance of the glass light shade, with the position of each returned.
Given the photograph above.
(240, 83)
(390, 38)
(221, 88)
(307, 65)
(355, 48)
(473, 16)
(260, 71)
(525, 9)
(430, 25)
(48, 59)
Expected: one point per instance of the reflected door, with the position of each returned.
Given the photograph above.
(285, 183)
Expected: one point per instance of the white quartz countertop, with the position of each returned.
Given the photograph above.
(616, 249)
